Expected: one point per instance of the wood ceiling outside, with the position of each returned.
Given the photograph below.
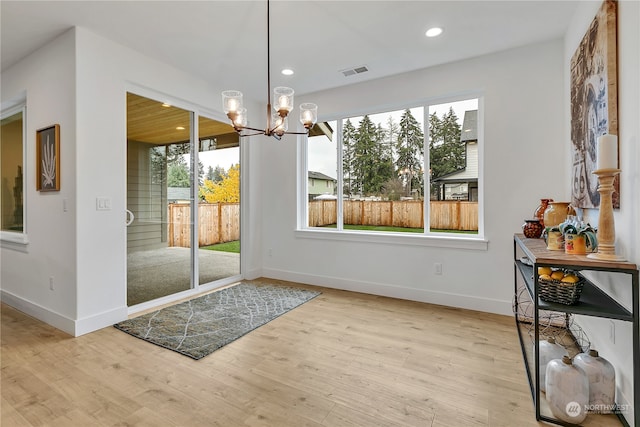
(148, 121)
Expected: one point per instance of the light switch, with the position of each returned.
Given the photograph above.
(103, 204)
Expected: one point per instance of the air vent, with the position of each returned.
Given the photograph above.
(355, 70)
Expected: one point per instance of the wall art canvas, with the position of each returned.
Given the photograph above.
(594, 104)
(48, 159)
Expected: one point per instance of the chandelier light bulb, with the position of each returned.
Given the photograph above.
(231, 101)
(308, 114)
(284, 99)
(240, 119)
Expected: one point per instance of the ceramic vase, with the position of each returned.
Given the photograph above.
(575, 244)
(539, 212)
(532, 228)
(555, 241)
(549, 350)
(567, 390)
(556, 213)
(602, 381)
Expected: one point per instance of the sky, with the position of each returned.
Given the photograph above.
(322, 152)
(225, 158)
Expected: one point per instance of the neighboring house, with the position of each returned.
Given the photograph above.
(178, 195)
(319, 184)
(463, 184)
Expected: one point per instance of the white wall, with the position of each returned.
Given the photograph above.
(523, 140)
(618, 348)
(80, 81)
(48, 76)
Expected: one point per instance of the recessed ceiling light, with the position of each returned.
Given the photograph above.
(287, 72)
(433, 32)
(166, 104)
(180, 128)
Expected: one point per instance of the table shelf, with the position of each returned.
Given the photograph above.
(593, 302)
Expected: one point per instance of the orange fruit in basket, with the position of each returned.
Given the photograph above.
(557, 275)
(570, 278)
(544, 270)
(545, 277)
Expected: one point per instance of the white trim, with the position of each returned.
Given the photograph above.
(421, 295)
(404, 239)
(9, 239)
(41, 313)
(99, 321)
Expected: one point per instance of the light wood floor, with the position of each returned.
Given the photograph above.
(342, 359)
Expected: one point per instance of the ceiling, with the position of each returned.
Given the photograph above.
(225, 41)
(153, 122)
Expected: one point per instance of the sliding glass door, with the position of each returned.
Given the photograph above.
(167, 206)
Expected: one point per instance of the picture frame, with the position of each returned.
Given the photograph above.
(48, 158)
(594, 104)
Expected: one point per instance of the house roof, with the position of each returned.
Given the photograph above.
(178, 193)
(468, 135)
(469, 126)
(318, 175)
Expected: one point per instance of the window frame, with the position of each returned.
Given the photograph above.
(18, 239)
(427, 238)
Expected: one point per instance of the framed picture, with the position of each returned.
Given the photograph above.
(594, 104)
(48, 158)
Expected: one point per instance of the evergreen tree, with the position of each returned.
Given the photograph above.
(410, 149)
(178, 173)
(391, 136)
(209, 174)
(348, 144)
(370, 166)
(200, 173)
(217, 174)
(446, 151)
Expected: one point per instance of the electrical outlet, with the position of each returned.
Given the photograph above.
(51, 283)
(437, 268)
(270, 252)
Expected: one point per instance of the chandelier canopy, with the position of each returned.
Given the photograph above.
(277, 115)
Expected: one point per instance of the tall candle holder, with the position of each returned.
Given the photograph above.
(606, 226)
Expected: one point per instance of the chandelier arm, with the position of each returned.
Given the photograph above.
(248, 128)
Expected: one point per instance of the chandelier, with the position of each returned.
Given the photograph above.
(277, 115)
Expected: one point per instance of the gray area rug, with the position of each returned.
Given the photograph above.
(200, 326)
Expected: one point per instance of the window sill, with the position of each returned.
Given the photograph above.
(14, 241)
(405, 239)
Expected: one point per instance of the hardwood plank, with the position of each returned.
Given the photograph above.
(342, 359)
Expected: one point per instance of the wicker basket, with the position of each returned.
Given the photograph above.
(560, 292)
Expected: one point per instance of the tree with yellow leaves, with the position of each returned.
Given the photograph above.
(227, 190)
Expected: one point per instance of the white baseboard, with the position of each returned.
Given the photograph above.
(44, 314)
(253, 274)
(101, 320)
(65, 324)
(422, 295)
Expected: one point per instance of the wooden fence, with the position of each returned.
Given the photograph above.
(444, 215)
(219, 223)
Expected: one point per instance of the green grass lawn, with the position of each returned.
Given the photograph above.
(225, 247)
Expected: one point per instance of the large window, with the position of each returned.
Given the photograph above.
(412, 170)
(12, 168)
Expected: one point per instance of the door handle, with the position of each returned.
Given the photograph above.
(130, 217)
